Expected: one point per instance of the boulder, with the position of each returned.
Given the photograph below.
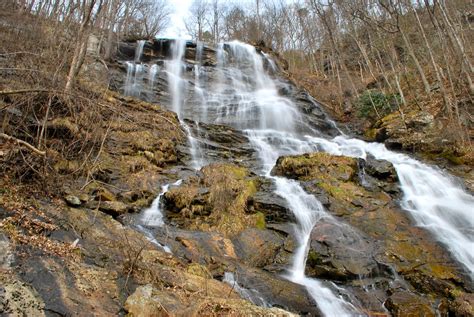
(339, 252)
(380, 169)
(113, 208)
(72, 200)
(147, 301)
(217, 200)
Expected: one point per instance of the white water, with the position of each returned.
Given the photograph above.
(244, 96)
(154, 70)
(153, 216)
(434, 199)
(135, 79)
(177, 85)
(139, 50)
(270, 122)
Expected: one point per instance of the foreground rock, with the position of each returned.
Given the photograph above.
(148, 301)
(216, 201)
(384, 239)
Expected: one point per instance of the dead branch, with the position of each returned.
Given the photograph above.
(21, 91)
(20, 142)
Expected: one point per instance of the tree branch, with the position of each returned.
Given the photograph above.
(20, 142)
(21, 91)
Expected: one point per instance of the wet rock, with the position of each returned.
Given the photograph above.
(406, 304)
(339, 252)
(72, 200)
(273, 206)
(224, 204)
(259, 248)
(276, 290)
(380, 169)
(113, 208)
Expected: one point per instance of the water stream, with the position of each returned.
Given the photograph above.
(241, 93)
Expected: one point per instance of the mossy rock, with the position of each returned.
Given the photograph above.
(216, 201)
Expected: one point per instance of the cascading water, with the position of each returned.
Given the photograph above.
(252, 103)
(154, 69)
(250, 295)
(242, 95)
(177, 85)
(135, 82)
(153, 216)
(139, 50)
(432, 198)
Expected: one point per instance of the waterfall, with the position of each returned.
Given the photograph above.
(135, 73)
(153, 216)
(241, 93)
(432, 198)
(154, 69)
(177, 88)
(139, 50)
(247, 294)
(270, 122)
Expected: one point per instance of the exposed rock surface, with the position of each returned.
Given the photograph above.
(385, 242)
(148, 301)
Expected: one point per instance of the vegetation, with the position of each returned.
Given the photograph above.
(419, 51)
(376, 104)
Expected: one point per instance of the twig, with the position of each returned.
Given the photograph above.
(20, 142)
(21, 91)
(15, 53)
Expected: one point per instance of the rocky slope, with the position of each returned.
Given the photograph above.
(85, 251)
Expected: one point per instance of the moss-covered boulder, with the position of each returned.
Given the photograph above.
(386, 239)
(217, 200)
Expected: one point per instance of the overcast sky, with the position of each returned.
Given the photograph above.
(180, 11)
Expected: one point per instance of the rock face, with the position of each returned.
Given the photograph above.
(419, 131)
(148, 301)
(383, 240)
(216, 201)
(407, 132)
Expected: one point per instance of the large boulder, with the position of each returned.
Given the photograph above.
(339, 252)
(384, 240)
(148, 301)
(217, 200)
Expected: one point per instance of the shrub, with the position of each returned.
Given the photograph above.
(373, 104)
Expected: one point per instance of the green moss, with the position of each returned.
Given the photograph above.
(313, 258)
(371, 134)
(260, 220)
(452, 157)
(198, 270)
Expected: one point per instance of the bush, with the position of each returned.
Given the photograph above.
(373, 104)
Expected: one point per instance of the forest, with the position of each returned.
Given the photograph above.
(236, 158)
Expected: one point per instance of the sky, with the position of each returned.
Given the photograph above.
(180, 11)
